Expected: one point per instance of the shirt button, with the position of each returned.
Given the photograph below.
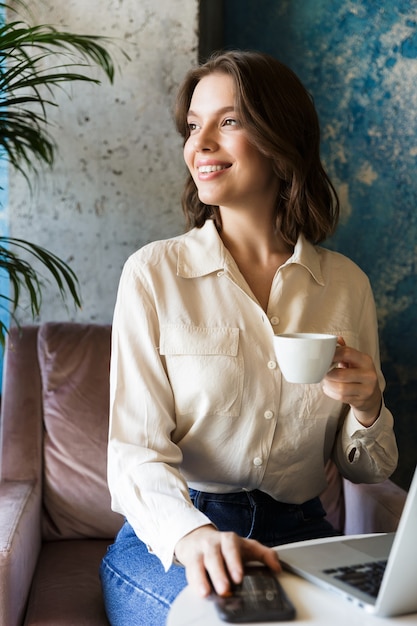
(272, 365)
(257, 461)
(268, 415)
(221, 273)
(274, 320)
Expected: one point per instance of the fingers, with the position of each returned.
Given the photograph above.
(352, 368)
(189, 551)
(340, 341)
(232, 555)
(253, 550)
(207, 571)
(197, 577)
(354, 381)
(225, 564)
(216, 559)
(211, 558)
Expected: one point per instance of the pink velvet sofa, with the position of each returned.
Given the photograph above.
(55, 516)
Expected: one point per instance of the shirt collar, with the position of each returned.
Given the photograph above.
(308, 255)
(201, 252)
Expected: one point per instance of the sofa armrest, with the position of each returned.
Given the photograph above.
(372, 508)
(20, 541)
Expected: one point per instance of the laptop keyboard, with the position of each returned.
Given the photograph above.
(365, 576)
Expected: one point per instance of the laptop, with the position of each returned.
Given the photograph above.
(342, 564)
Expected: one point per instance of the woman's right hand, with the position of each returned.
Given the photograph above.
(212, 555)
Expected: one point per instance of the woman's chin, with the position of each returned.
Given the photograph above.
(209, 199)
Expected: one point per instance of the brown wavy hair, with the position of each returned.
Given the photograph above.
(279, 116)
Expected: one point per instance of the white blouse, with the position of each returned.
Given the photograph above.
(197, 397)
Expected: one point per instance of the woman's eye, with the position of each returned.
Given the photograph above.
(192, 126)
(230, 121)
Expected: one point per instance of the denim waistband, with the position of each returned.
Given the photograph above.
(255, 514)
(258, 498)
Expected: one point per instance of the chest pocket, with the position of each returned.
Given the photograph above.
(205, 369)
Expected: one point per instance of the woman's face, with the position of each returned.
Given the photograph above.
(227, 169)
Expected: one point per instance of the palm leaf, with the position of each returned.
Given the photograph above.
(34, 62)
(23, 276)
(24, 79)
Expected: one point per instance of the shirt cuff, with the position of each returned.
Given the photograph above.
(370, 453)
(353, 428)
(166, 550)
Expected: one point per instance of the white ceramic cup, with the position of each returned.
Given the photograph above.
(304, 357)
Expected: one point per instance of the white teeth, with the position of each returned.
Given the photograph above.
(206, 169)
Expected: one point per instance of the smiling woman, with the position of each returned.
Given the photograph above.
(213, 456)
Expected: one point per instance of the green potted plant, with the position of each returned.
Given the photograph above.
(27, 88)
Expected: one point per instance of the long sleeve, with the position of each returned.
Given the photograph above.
(368, 454)
(143, 470)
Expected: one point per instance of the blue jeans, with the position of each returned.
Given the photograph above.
(137, 590)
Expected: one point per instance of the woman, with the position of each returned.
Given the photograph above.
(213, 456)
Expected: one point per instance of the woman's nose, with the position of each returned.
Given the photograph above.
(205, 140)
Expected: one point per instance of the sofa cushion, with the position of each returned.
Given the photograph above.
(74, 362)
(66, 589)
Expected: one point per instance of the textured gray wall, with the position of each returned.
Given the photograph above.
(118, 177)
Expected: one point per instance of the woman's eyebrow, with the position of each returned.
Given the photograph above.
(227, 109)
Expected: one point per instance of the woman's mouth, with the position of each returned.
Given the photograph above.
(208, 169)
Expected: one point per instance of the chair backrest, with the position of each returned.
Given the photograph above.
(21, 408)
(55, 419)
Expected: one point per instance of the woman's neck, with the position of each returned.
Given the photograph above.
(257, 250)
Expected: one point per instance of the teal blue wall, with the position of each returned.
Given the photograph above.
(359, 61)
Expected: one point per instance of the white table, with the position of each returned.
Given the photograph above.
(314, 607)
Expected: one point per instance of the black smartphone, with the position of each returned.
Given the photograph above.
(258, 598)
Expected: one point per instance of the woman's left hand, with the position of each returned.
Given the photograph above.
(354, 380)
